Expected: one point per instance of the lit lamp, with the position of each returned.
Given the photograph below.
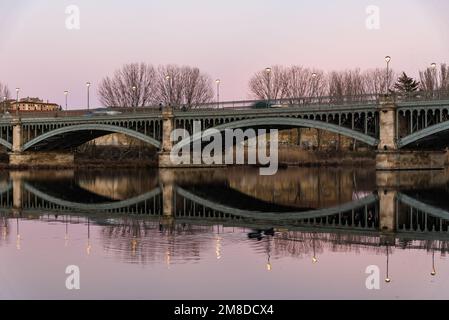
(66, 93)
(134, 97)
(17, 101)
(433, 66)
(218, 81)
(387, 278)
(387, 86)
(88, 84)
(268, 72)
(433, 272)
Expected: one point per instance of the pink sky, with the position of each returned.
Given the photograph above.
(229, 40)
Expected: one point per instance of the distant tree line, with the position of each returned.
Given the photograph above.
(141, 84)
(281, 82)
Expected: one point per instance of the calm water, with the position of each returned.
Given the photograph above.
(224, 234)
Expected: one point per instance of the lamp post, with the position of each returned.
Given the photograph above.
(387, 278)
(134, 98)
(433, 272)
(433, 66)
(314, 84)
(268, 72)
(66, 93)
(168, 79)
(88, 84)
(218, 81)
(387, 85)
(17, 101)
(4, 104)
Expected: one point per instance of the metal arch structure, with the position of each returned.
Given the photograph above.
(92, 207)
(92, 127)
(371, 199)
(287, 122)
(424, 133)
(6, 144)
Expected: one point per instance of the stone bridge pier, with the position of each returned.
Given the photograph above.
(20, 158)
(389, 156)
(167, 185)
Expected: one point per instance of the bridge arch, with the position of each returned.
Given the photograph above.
(287, 122)
(6, 144)
(92, 127)
(424, 133)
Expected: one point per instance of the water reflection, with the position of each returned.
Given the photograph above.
(180, 217)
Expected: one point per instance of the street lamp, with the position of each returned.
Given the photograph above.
(66, 93)
(387, 278)
(268, 72)
(17, 101)
(168, 78)
(387, 86)
(218, 92)
(433, 66)
(134, 97)
(4, 104)
(88, 84)
(314, 84)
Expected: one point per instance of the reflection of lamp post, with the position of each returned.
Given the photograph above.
(66, 236)
(314, 258)
(5, 228)
(387, 86)
(218, 248)
(387, 278)
(269, 266)
(88, 247)
(18, 234)
(433, 272)
(268, 72)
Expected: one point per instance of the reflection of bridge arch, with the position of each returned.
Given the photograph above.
(287, 122)
(100, 129)
(93, 207)
(369, 200)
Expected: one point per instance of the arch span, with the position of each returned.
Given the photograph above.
(92, 127)
(424, 133)
(370, 199)
(93, 207)
(286, 122)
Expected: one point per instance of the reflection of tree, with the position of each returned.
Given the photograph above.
(144, 241)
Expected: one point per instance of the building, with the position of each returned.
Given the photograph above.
(32, 104)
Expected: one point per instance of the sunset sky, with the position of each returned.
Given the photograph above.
(229, 39)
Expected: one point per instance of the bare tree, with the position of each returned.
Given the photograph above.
(346, 84)
(303, 82)
(4, 92)
(433, 79)
(183, 86)
(134, 85)
(270, 84)
(378, 81)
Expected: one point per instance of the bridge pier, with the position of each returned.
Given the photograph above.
(18, 158)
(387, 210)
(167, 182)
(389, 156)
(167, 145)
